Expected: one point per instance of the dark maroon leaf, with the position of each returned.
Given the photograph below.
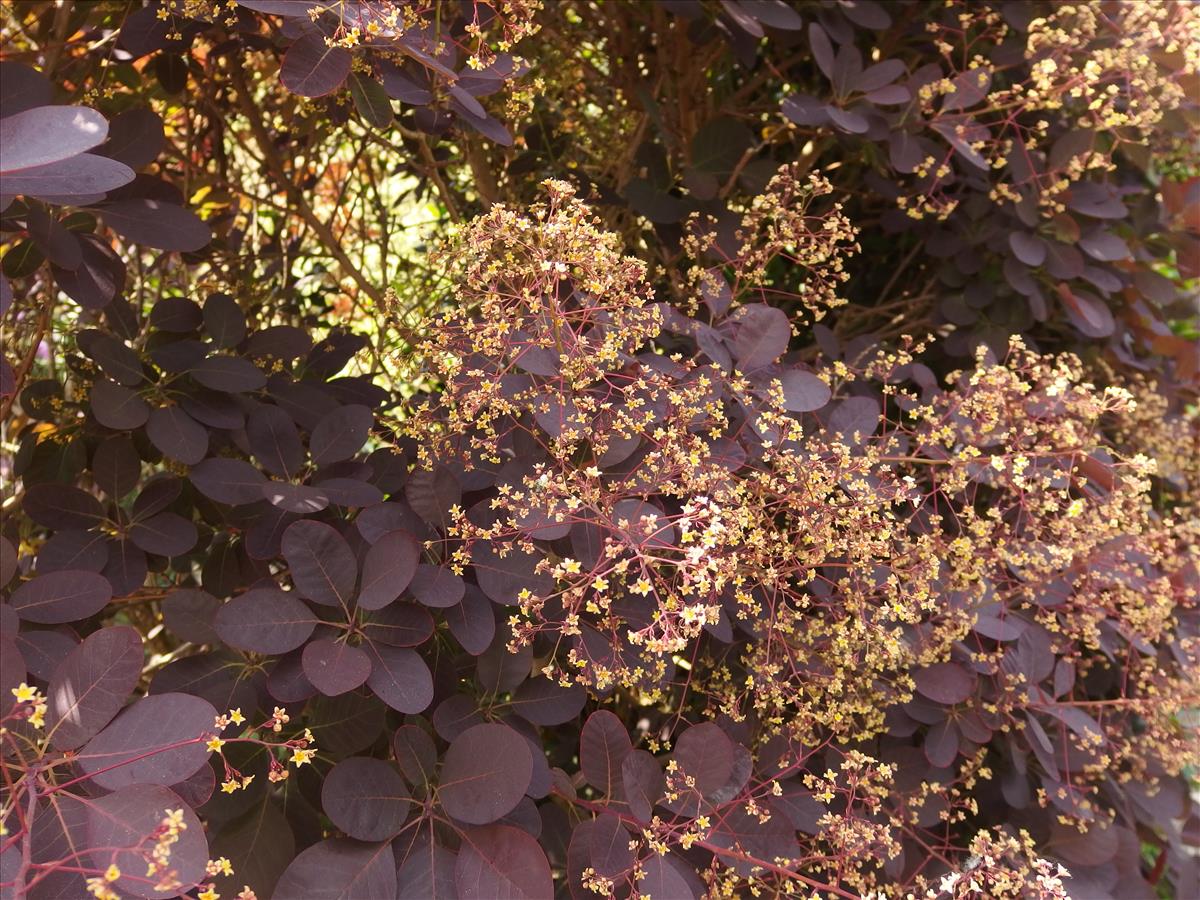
(322, 564)
(643, 781)
(177, 435)
(294, 498)
(427, 874)
(436, 587)
(545, 702)
(501, 861)
(118, 825)
(163, 226)
(158, 740)
(603, 746)
(62, 506)
(48, 134)
(705, 752)
(947, 683)
(71, 549)
(803, 391)
(166, 534)
(485, 774)
(274, 441)
(967, 89)
(91, 685)
(22, 88)
(312, 69)
(340, 869)
(1028, 248)
(118, 407)
(502, 578)
(135, 138)
(431, 493)
(350, 492)
(762, 337)
(232, 481)
(334, 667)
(415, 754)
(400, 678)
(176, 314)
(265, 620)
(259, 844)
(189, 615)
(941, 744)
(224, 320)
(822, 48)
(231, 374)
(1087, 312)
(663, 879)
(61, 597)
(125, 568)
(365, 798)
(855, 416)
(116, 466)
(1104, 245)
(472, 621)
(340, 434)
(388, 568)
(400, 625)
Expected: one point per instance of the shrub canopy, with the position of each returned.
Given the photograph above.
(649, 449)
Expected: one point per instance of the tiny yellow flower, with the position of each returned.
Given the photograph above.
(600, 583)
(228, 787)
(112, 873)
(209, 894)
(215, 744)
(24, 693)
(642, 587)
(236, 717)
(300, 757)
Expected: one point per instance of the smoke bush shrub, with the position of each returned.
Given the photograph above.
(799, 502)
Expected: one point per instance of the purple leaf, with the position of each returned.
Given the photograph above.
(803, 391)
(388, 569)
(166, 534)
(322, 564)
(603, 745)
(544, 702)
(118, 407)
(1028, 248)
(91, 685)
(400, 678)
(415, 753)
(124, 819)
(274, 441)
(643, 782)
(947, 683)
(312, 69)
(762, 337)
(232, 481)
(61, 597)
(822, 49)
(472, 621)
(48, 134)
(340, 869)
(334, 667)
(157, 740)
(340, 434)
(486, 772)
(366, 798)
(224, 320)
(501, 861)
(231, 374)
(265, 620)
(62, 506)
(177, 435)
